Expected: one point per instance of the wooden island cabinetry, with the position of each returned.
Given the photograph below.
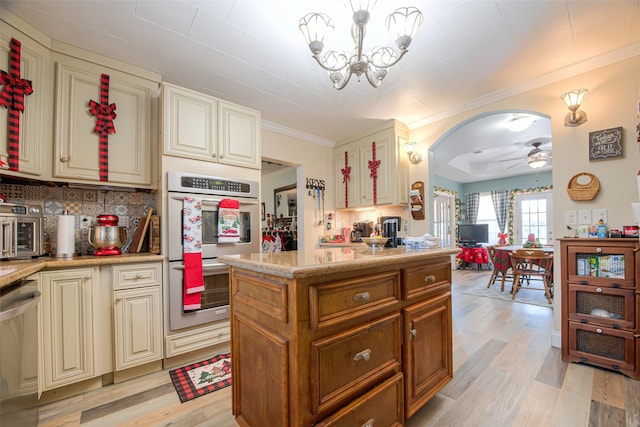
(339, 336)
(600, 303)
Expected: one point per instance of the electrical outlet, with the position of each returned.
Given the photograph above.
(85, 222)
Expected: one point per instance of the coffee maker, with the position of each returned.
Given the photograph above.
(390, 229)
(360, 230)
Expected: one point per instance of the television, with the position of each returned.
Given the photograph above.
(473, 234)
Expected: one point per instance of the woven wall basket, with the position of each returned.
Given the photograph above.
(578, 191)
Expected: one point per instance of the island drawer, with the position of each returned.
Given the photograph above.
(382, 406)
(346, 364)
(421, 281)
(334, 302)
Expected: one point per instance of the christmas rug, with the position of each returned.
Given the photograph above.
(200, 378)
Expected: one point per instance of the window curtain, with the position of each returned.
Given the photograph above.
(473, 202)
(500, 199)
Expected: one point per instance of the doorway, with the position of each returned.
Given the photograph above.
(444, 217)
(532, 214)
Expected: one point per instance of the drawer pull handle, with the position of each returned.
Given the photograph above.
(430, 279)
(363, 355)
(598, 331)
(368, 423)
(362, 296)
(598, 289)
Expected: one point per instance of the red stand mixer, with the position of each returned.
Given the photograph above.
(107, 237)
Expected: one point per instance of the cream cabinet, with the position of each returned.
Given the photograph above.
(137, 314)
(380, 153)
(35, 137)
(131, 149)
(67, 326)
(198, 126)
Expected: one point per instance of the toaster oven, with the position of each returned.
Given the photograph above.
(21, 231)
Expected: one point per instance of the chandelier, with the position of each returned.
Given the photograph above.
(374, 65)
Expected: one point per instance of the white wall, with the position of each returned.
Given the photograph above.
(313, 161)
(612, 102)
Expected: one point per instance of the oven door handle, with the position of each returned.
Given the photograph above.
(216, 201)
(209, 268)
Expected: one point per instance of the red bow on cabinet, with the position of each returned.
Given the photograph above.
(105, 113)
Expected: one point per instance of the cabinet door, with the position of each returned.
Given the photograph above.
(189, 123)
(382, 186)
(347, 190)
(427, 358)
(137, 326)
(601, 265)
(35, 120)
(67, 326)
(77, 145)
(238, 135)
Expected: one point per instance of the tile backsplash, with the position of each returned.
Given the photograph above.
(84, 204)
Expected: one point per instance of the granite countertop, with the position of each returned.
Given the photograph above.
(13, 270)
(298, 264)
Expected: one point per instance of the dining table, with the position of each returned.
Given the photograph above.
(502, 260)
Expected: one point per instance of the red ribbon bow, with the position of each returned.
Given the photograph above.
(345, 174)
(14, 91)
(105, 114)
(502, 238)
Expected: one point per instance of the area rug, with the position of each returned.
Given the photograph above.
(200, 378)
(526, 295)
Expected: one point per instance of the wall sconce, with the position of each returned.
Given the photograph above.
(573, 99)
(414, 156)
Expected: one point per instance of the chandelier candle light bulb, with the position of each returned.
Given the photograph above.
(375, 64)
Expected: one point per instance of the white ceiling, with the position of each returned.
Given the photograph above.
(466, 53)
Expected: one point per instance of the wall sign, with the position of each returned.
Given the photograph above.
(605, 144)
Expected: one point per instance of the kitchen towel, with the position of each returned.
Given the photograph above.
(192, 253)
(66, 242)
(228, 221)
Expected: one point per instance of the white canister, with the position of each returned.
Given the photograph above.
(66, 244)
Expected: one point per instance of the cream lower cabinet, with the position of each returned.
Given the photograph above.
(35, 147)
(137, 314)
(368, 184)
(67, 325)
(199, 126)
(131, 152)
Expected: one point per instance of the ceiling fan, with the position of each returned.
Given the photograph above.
(536, 158)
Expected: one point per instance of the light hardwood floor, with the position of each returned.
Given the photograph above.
(505, 374)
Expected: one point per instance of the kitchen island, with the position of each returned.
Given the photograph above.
(339, 336)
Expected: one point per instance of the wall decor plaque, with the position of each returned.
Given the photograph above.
(605, 144)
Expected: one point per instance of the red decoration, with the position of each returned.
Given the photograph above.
(105, 113)
(345, 178)
(373, 167)
(502, 238)
(12, 97)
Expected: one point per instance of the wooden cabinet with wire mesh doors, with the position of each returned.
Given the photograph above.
(600, 304)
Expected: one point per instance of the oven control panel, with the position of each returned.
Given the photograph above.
(185, 182)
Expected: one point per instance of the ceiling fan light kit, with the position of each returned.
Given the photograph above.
(402, 24)
(537, 158)
(573, 99)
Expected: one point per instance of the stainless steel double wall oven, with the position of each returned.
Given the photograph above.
(211, 190)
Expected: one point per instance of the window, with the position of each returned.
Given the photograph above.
(487, 215)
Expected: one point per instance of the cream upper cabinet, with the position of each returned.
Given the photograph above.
(199, 126)
(189, 123)
(380, 153)
(67, 326)
(131, 149)
(238, 135)
(35, 129)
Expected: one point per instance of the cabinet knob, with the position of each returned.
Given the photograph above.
(598, 289)
(65, 159)
(362, 296)
(363, 355)
(430, 279)
(413, 332)
(599, 331)
(598, 249)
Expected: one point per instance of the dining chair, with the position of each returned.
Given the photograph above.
(501, 266)
(532, 264)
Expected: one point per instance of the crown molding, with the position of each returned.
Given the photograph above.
(283, 130)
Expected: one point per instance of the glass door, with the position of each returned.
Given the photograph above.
(533, 215)
(444, 219)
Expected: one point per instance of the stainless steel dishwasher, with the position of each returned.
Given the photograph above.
(19, 354)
